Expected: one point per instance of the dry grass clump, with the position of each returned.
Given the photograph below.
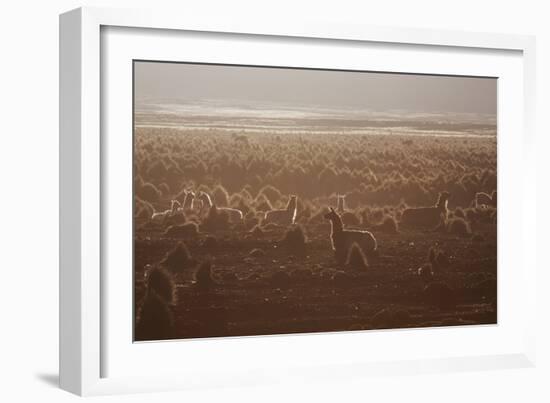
(161, 282)
(178, 259)
(220, 197)
(388, 225)
(143, 209)
(256, 252)
(356, 259)
(262, 203)
(148, 192)
(295, 241)
(271, 193)
(459, 226)
(216, 220)
(203, 276)
(155, 319)
(349, 219)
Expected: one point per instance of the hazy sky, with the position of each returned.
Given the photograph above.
(173, 81)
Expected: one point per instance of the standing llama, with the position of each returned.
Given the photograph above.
(427, 216)
(483, 200)
(343, 239)
(286, 216)
(235, 215)
(161, 216)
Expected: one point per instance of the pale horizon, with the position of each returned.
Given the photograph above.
(179, 82)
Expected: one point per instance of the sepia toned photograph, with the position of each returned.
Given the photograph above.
(274, 200)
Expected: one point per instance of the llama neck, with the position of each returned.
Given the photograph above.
(206, 199)
(442, 205)
(340, 206)
(291, 206)
(336, 225)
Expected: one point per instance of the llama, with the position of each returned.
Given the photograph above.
(286, 216)
(188, 201)
(427, 216)
(235, 215)
(342, 239)
(160, 216)
(483, 200)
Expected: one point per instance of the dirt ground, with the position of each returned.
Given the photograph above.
(272, 291)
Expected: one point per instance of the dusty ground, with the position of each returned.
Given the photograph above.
(314, 295)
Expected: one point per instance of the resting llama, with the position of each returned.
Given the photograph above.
(427, 216)
(343, 239)
(160, 216)
(483, 200)
(283, 217)
(235, 215)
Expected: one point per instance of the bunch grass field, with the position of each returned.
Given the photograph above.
(252, 278)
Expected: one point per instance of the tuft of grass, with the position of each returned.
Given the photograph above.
(295, 241)
(257, 252)
(203, 276)
(388, 225)
(220, 196)
(155, 319)
(143, 209)
(149, 192)
(178, 259)
(350, 219)
(262, 203)
(271, 193)
(356, 258)
(459, 226)
(215, 220)
(161, 282)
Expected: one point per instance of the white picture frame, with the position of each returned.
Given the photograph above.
(85, 343)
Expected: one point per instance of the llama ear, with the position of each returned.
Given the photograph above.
(331, 209)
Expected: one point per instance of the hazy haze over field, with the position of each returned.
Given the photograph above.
(171, 82)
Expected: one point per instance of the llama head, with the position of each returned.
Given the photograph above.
(331, 215)
(443, 199)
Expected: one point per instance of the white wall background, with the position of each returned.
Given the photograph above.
(29, 201)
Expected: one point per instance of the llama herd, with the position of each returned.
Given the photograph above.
(341, 236)
(155, 314)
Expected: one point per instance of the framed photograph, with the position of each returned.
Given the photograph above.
(249, 202)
